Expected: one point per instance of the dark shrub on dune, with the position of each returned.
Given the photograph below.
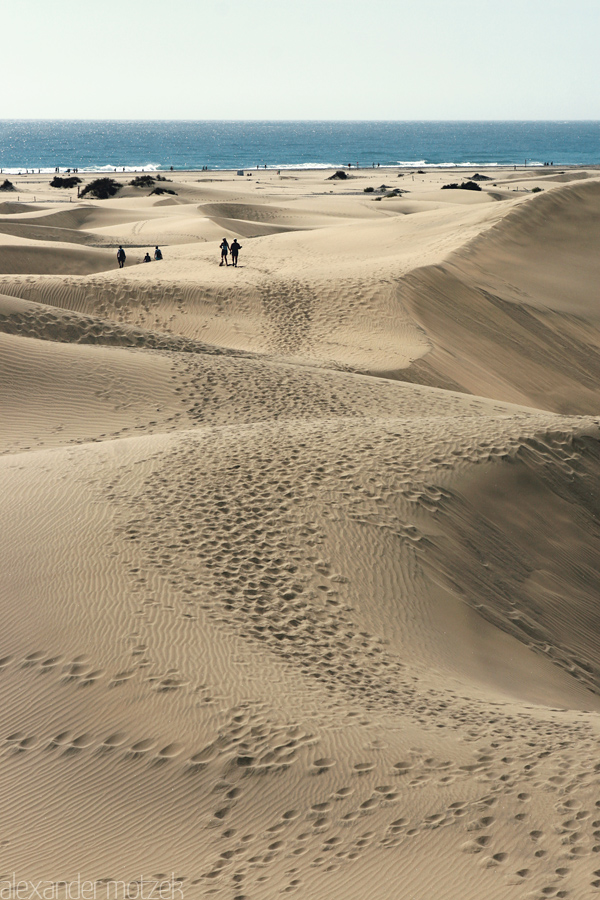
(536, 190)
(7, 186)
(340, 174)
(478, 177)
(101, 188)
(369, 190)
(142, 181)
(465, 186)
(162, 191)
(69, 182)
(162, 178)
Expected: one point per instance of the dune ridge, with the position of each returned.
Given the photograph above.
(300, 559)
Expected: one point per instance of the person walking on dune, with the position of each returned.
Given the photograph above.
(235, 249)
(121, 257)
(224, 252)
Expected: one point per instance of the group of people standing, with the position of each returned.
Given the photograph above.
(233, 248)
(226, 248)
(122, 256)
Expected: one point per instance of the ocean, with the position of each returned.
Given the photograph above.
(105, 146)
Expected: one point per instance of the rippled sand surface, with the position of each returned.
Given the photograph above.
(300, 559)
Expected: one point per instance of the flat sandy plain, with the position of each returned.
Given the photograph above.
(300, 560)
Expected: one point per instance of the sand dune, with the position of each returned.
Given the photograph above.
(275, 624)
(514, 314)
(572, 176)
(557, 232)
(23, 255)
(32, 231)
(8, 207)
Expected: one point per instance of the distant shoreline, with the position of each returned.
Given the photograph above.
(462, 167)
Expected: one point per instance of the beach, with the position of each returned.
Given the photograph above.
(300, 558)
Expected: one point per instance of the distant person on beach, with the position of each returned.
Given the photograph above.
(147, 257)
(121, 257)
(235, 249)
(157, 253)
(224, 252)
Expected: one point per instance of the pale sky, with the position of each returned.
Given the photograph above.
(311, 59)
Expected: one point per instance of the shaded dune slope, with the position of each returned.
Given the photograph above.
(34, 232)
(35, 257)
(515, 314)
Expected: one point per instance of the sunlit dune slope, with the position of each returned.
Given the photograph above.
(272, 624)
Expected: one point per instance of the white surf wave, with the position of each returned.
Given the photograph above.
(87, 170)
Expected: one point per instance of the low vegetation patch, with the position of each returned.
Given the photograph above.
(101, 188)
(142, 181)
(465, 186)
(7, 185)
(160, 190)
(340, 174)
(68, 182)
(536, 190)
(369, 190)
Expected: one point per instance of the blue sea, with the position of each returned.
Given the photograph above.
(105, 146)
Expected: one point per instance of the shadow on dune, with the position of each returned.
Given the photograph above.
(61, 259)
(515, 315)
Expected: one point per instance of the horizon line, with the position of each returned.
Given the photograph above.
(260, 120)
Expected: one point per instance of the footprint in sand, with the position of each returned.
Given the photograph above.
(114, 740)
(343, 792)
(82, 742)
(170, 751)
(363, 768)
(32, 658)
(141, 747)
(323, 763)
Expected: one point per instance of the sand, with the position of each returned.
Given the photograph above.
(300, 559)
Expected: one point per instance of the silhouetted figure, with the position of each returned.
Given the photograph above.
(147, 258)
(157, 253)
(235, 249)
(224, 252)
(121, 257)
